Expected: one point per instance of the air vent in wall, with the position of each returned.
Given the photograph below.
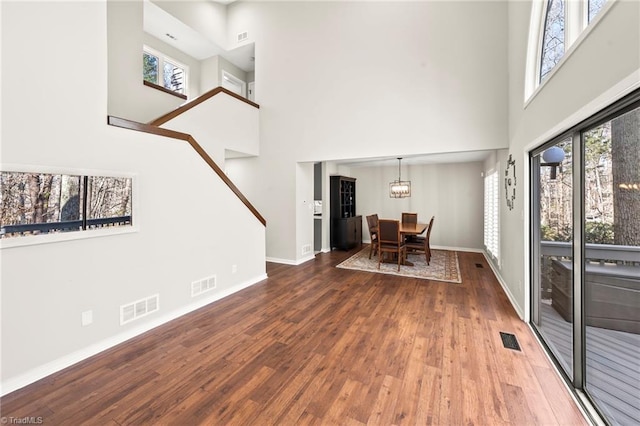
(203, 285)
(306, 249)
(243, 36)
(139, 308)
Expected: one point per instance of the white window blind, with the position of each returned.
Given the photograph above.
(491, 214)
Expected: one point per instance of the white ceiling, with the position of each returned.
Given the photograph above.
(443, 158)
(159, 23)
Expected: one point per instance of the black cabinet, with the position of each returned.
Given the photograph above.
(346, 226)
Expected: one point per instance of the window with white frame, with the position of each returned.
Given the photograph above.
(563, 23)
(553, 38)
(556, 27)
(491, 214)
(164, 71)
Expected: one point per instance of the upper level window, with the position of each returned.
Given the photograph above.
(556, 26)
(164, 71)
(553, 41)
(594, 8)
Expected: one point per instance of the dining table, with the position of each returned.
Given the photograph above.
(412, 228)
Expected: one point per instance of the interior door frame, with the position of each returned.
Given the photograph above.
(232, 79)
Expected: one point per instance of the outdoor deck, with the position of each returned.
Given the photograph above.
(613, 365)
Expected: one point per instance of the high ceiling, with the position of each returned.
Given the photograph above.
(174, 32)
(171, 30)
(444, 158)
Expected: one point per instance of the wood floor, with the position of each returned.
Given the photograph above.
(314, 344)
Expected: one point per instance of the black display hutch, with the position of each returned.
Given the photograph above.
(346, 226)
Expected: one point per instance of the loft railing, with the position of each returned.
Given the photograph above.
(65, 226)
(187, 106)
(153, 129)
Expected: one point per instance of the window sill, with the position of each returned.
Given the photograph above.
(30, 240)
(165, 90)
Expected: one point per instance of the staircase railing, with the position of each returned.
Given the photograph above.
(187, 106)
(153, 129)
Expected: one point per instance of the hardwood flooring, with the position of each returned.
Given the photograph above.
(314, 344)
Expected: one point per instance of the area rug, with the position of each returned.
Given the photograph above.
(442, 267)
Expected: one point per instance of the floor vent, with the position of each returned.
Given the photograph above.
(509, 341)
(203, 285)
(139, 308)
(479, 265)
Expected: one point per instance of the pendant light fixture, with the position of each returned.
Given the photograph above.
(399, 188)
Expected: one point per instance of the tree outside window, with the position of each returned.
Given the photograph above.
(163, 71)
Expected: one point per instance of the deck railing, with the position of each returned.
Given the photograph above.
(69, 225)
(598, 253)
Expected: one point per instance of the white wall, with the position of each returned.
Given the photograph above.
(209, 74)
(304, 210)
(602, 68)
(128, 97)
(221, 123)
(227, 66)
(453, 193)
(182, 233)
(208, 18)
(356, 79)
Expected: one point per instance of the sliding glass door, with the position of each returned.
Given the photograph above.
(585, 245)
(611, 272)
(553, 312)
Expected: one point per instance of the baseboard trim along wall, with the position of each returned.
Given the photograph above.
(52, 367)
(512, 299)
(289, 261)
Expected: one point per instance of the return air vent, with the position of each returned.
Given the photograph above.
(243, 36)
(509, 341)
(139, 308)
(203, 285)
(306, 249)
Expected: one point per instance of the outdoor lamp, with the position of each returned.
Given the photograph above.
(553, 157)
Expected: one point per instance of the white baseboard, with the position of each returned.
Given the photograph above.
(49, 368)
(505, 287)
(289, 261)
(472, 250)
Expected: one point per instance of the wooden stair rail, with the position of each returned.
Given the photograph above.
(147, 128)
(187, 106)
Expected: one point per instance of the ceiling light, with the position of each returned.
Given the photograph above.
(399, 188)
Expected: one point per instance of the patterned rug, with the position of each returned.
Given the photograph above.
(442, 267)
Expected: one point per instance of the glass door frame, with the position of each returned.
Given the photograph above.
(578, 381)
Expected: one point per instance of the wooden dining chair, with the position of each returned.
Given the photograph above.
(390, 241)
(422, 243)
(409, 218)
(372, 222)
